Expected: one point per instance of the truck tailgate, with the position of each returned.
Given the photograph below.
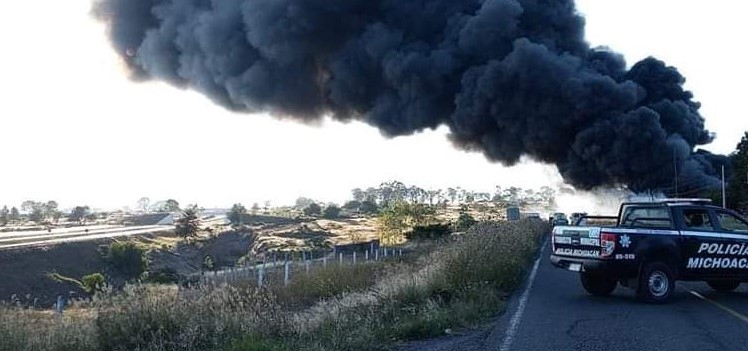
(581, 242)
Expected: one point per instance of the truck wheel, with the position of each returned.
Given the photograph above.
(724, 285)
(598, 284)
(656, 283)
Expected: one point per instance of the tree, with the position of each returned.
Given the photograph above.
(434, 195)
(415, 194)
(27, 206)
(50, 208)
(171, 205)
(469, 197)
(36, 210)
(15, 215)
(36, 215)
(236, 215)
(303, 202)
(738, 191)
(371, 194)
(331, 212)
(188, 223)
(90, 217)
(143, 204)
(57, 215)
(452, 195)
(465, 220)
(79, 213)
(4, 214)
(127, 258)
(369, 207)
(358, 194)
(396, 219)
(313, 210)
(352, 205)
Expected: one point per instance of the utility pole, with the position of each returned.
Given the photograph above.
(724, 198)
(675, 166)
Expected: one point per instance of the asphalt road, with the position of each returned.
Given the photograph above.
(37, 239)
(559, 315)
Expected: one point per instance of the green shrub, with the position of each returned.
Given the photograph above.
(162, 276)
(93, 283)
(208, 263)
(465, 221)
(429, 232)
(331, 212)
(127, 259)
(312, 210)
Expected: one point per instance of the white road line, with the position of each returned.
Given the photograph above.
(517, 317)
(734, 313)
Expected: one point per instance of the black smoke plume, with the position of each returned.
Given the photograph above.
(510, 78)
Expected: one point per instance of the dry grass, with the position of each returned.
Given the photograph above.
(350, 307)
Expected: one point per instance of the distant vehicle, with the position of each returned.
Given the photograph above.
(653, 244)
(533, 215)
(576, 216)
(559, 218)
(512, 213)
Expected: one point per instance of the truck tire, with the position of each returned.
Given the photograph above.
(724, 285)
(598, 284)
(656, 283)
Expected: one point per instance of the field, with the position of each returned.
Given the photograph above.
(439, 286)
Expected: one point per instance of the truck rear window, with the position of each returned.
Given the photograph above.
(646, 217)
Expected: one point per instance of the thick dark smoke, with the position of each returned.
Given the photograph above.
(510, 78)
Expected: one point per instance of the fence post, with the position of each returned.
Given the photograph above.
(59, 307)
(286, 268)
(385, 252)
(340, 255)
(376, 255)
(400, 253)
(354, 257)
(324, 261)
(261, 276)
(366, 254)
(306, 266)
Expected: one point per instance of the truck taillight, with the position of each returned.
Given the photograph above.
(553, 238)
(607, 244)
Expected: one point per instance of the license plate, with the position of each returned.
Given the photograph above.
(576, 267)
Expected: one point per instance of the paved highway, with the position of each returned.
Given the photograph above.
(555, 313)
(17, 240)
(10, 240)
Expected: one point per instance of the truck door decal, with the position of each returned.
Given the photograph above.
(712, 255)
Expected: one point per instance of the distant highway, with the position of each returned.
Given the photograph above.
(12, 240)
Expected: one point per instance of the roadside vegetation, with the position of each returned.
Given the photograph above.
(446, 282)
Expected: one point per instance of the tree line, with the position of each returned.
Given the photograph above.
(48, 211)
(43, 212)
(375, 200)
(396, 192)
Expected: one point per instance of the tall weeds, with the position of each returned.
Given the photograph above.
(349, 307)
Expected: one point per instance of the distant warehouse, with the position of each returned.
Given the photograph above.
(150, 219)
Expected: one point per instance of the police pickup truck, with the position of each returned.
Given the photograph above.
(651, 245)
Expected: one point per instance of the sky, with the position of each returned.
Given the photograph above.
(74, 129)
